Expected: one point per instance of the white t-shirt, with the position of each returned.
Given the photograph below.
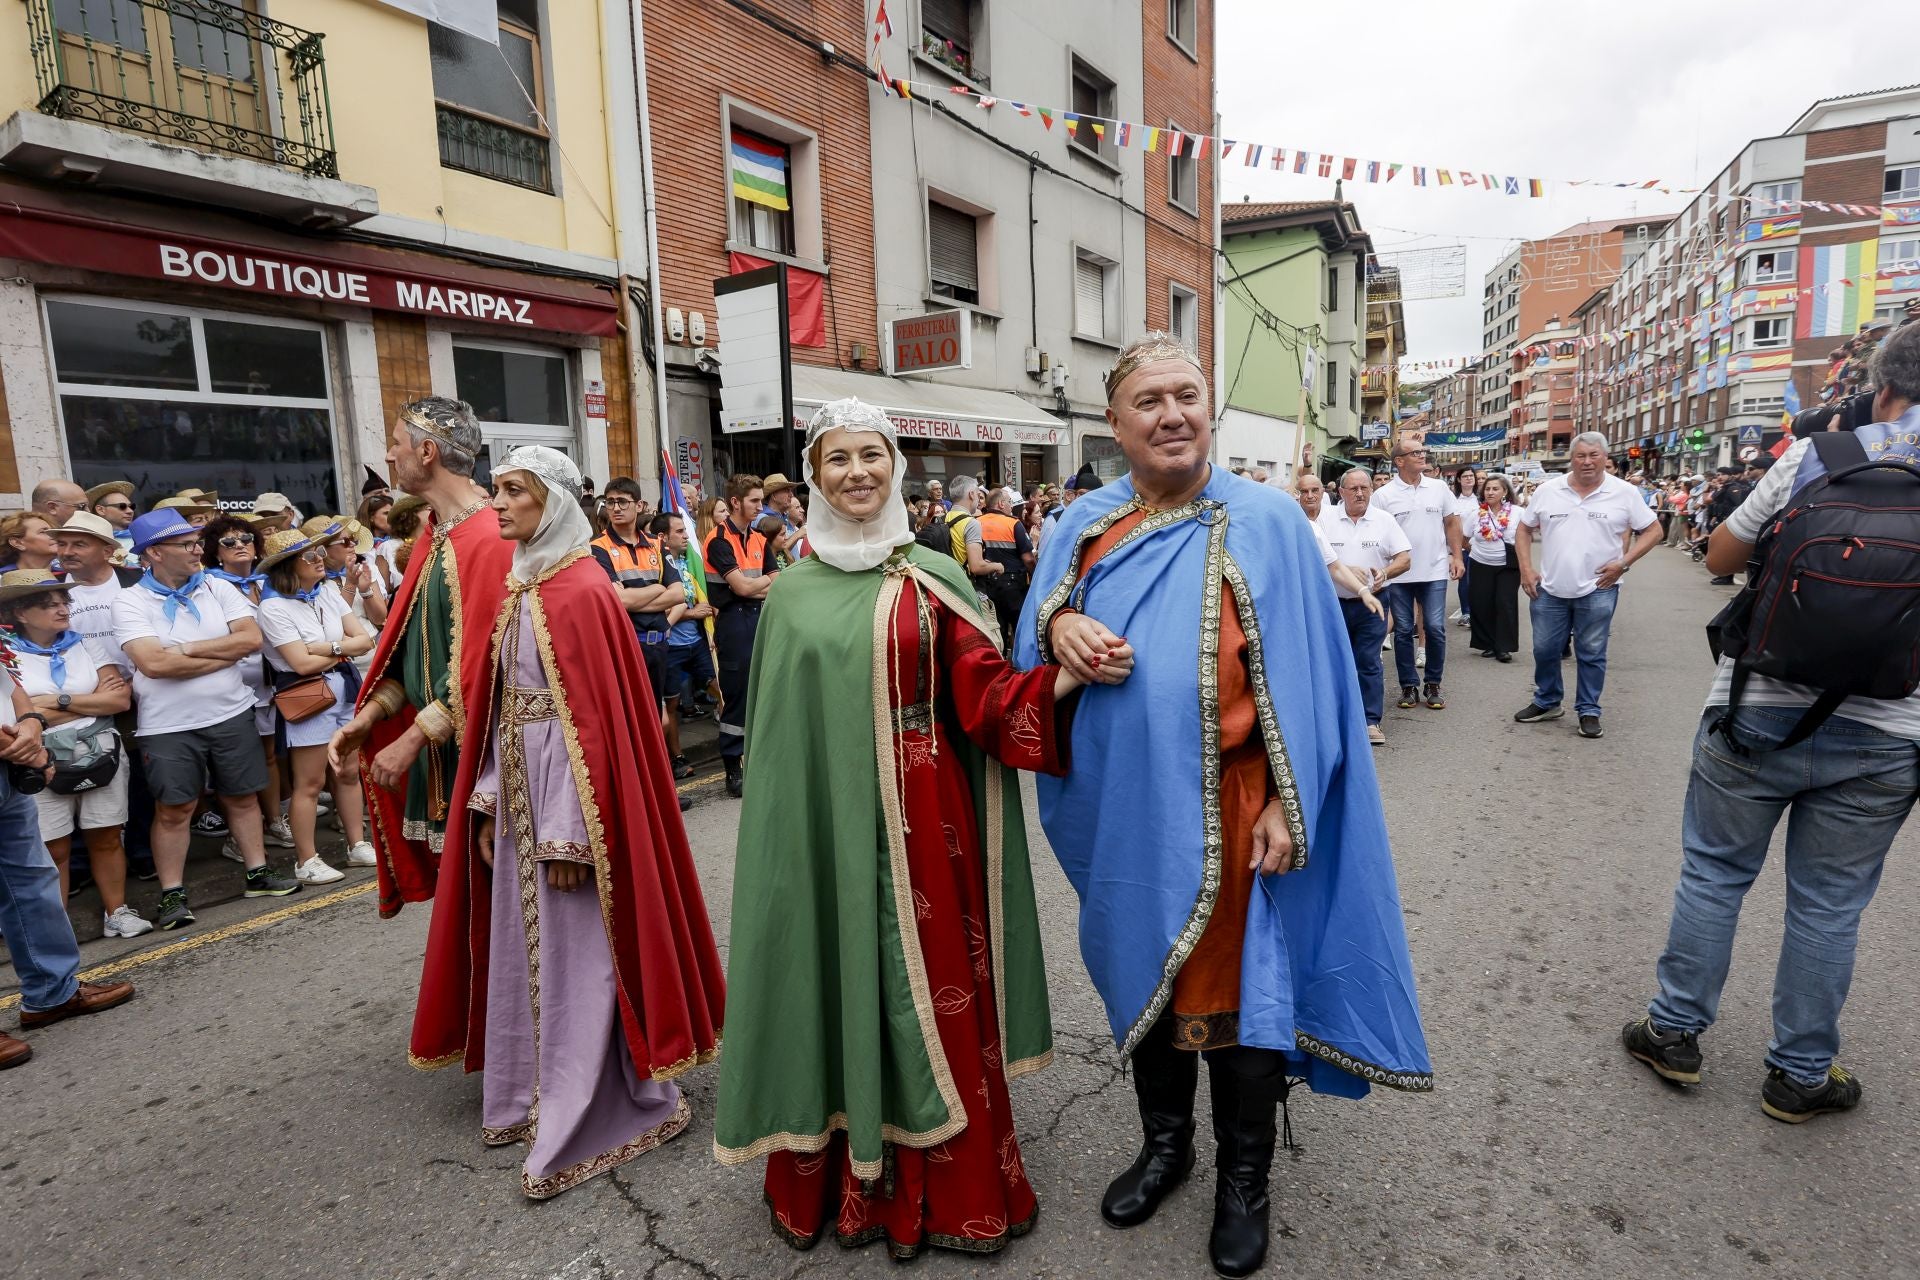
(174, 706)
(285, 621)
(1363, 545)
(1489, 546)
(90, 612)
(83, 676)
(1577, 535)
(1422, 510)
(1326, 548)
(1897, 716)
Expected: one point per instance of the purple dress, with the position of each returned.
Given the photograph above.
(559, 1076)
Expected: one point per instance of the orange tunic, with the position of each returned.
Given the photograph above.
(1206, 991)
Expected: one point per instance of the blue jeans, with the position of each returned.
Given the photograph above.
(1432, 598)
(1366, 634)
(1588, 617)
(33, 916)
(1845, 792)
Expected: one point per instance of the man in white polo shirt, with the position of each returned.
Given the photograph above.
(1371, 543)
(1582, 522)
(1424, 507)
(183, 632)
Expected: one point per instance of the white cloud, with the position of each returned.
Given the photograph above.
(1639, 89)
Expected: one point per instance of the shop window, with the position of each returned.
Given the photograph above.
(1093, 99)
(174, 396)
(953, 253)
(761, 171)
(489, 100)
(519, 394)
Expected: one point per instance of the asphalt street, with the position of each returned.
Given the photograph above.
(252, 1113)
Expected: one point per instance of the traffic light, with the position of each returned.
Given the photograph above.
(1697, 439)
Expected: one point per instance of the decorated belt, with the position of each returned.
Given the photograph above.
(917, 718)
(528, 706)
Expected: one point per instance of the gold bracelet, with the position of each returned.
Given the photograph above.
(435, 721)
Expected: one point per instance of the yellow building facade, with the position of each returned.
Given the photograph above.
(235, 237)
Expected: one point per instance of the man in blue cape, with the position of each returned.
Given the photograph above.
(1221, 822)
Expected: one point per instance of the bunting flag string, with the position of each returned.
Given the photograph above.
(1298, 160)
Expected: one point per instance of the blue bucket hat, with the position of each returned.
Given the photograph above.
(157, 526)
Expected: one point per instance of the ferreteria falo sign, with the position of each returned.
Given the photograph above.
(937, 340)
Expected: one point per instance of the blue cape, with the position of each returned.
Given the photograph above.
(1325, 977)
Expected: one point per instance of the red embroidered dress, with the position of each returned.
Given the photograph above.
(970, 1192)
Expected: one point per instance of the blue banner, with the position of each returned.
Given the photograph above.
(1466, 439)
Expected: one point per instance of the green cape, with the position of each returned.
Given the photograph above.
(829, 1016)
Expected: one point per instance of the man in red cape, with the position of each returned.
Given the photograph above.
(430, 667)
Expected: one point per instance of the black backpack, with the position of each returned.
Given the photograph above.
(1832, 599)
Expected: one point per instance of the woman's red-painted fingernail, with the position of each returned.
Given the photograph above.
(1095, 660)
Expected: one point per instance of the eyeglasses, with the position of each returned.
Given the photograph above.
(117, 506)
(237, 540)
(316, 556)
(619, 502)
(191, 544)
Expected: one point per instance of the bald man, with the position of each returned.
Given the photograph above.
(58, 499)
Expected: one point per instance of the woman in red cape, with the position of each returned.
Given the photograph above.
(586, 969)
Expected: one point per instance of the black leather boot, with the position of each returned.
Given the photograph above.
(1164, 1079)
(736, 776)
(1244, 1104)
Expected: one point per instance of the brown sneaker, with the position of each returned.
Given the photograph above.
(13, 1052)
(1434, 701)
(92, 997)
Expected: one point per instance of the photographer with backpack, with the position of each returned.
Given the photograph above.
(1813, 716)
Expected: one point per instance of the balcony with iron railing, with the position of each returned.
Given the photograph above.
(198, 73)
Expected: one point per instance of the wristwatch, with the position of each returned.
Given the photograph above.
(64, 701)
(336, 649)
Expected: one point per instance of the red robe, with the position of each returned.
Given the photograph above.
(969, 1193)
(666, 969)
(408, 870)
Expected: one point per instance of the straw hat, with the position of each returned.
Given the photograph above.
(100, 491)
(30, 582)
(287, 543)
(92, 525)
(361, 536)
(185, 505)
(206, 497)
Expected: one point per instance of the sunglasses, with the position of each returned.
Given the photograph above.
(237, 540)
(316, 556)
(117, 506)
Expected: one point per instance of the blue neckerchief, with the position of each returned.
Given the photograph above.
(176, 596)
(308, 596)
(57, 651)
(241, 581)
(336, 575)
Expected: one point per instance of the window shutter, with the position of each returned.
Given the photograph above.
(948, 18)
(952, 247)
(1089, 297)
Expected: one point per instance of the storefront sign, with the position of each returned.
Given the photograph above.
(937, 340)
(961, 431)
(686, 464)
(93, 244)
(596, 399)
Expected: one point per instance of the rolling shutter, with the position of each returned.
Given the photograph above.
(952, 248)
(1089, 297)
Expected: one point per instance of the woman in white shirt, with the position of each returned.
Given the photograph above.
(309, 632)
(1490, 531)
(79, 700)
(1466, 503)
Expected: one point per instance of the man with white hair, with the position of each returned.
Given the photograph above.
(1591, 527)
(1371, 544)
(963, 527)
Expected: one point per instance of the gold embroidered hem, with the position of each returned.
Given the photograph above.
(552, 1185)
(436, 1064)
(506, 1137)
(414, 829)
(675, 1069)
(563, 851)
(483, 802)
(435, 721)
(897, 1251)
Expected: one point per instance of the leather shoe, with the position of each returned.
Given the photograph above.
(13, 1052)
(91, 997)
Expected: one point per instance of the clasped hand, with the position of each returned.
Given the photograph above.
(1088, 651)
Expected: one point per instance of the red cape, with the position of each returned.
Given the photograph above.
(667, 972)
(408, 869)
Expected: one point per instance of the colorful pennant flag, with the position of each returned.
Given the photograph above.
(1046, 116)
(1326, 165)
(1253, 154)
(1151, 140)
(1347, 166)
(1123, 135)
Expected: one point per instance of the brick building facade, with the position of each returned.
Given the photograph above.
(1181, 196)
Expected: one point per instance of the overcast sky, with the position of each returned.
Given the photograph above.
(1640, 89)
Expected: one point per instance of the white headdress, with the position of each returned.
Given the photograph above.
(564, 527)
(835, 537)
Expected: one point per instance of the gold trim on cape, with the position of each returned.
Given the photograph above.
(1278, 760)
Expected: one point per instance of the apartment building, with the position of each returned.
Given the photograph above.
(231, 247)
(1798, 244)
(1541, 373)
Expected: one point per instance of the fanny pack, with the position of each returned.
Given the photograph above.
(82, 761)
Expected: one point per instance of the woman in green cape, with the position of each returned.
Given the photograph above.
(885, 979)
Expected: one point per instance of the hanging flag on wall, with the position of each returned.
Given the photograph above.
(1840, 304)
(759, 171)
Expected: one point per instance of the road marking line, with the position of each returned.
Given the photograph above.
(113, 968)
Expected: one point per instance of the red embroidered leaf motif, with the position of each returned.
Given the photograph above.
(1023, 726)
